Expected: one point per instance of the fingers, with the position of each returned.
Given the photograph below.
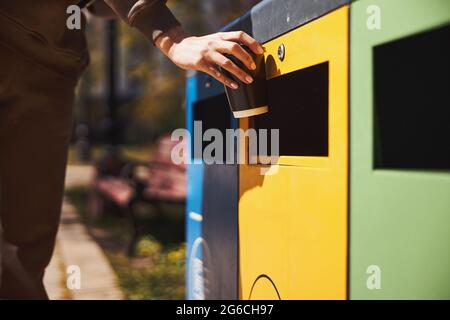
(219, 76)
(243, 38)
(220, 44)
(215, 57)
(236, 50)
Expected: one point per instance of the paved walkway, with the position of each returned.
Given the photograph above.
(75, 248)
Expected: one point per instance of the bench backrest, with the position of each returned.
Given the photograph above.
(163, 152)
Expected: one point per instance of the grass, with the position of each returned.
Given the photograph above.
(157, 271)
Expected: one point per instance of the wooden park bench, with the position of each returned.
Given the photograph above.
(123, 184)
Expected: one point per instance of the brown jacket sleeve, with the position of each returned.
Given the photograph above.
(151, 17)
(102, 10)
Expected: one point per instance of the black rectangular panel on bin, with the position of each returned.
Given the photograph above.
(220, 231)
(220, 202)
(272, 18)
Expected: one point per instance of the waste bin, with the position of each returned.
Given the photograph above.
(194, 212)
(212, 270)
(400, 159)
(293, 223)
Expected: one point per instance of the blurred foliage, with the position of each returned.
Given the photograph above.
(148, 247)
(152, 85)
(161, 277)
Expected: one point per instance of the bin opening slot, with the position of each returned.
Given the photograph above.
(412, 102)
(214, 113)
(298, 104)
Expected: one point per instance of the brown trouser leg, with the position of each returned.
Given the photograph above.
(35, 125)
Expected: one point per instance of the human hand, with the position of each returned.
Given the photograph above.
(207, 53)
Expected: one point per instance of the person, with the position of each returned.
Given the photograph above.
(40, 63)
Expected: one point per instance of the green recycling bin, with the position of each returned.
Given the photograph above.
(400, 154)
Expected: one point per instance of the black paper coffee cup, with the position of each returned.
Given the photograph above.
(249, 99)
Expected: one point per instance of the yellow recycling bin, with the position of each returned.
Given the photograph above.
(293, 223)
